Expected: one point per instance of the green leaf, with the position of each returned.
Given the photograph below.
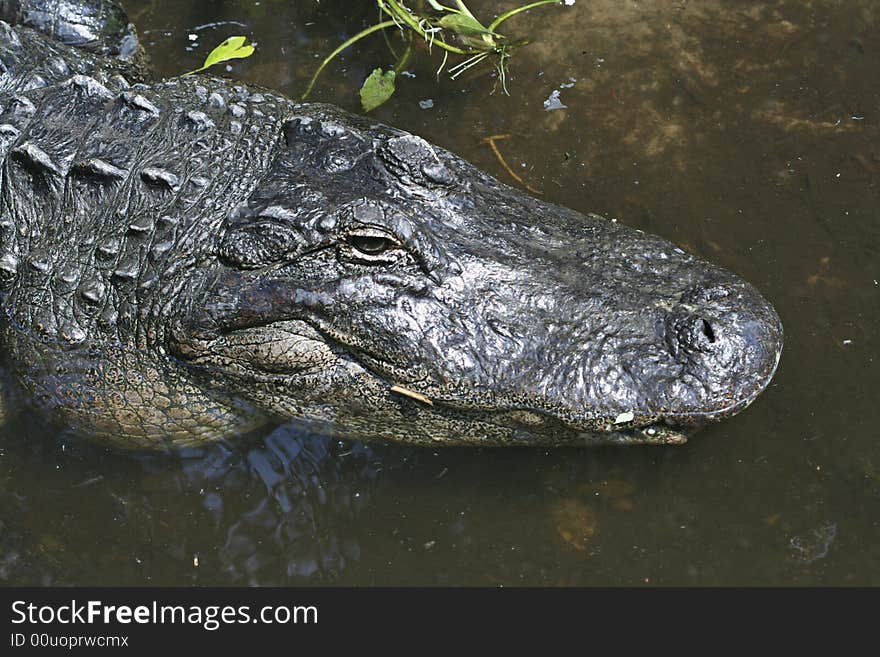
(233, 48)
(471, 31)
(377, 88)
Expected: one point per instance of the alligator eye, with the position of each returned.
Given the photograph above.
(371, 244)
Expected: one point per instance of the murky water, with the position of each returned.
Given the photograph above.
(745, 131)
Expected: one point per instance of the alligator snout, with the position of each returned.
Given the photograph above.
(728, 340)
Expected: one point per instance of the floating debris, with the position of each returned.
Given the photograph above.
(553, 102)
(815, 546)
(412, 394)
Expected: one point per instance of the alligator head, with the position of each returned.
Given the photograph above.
(381, 288)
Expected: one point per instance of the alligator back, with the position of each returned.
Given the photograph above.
(111, 194)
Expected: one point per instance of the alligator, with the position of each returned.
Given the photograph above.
(186, 260)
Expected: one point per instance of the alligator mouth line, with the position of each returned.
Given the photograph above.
(656, 423)
(654, 433)
(650, 431)
(627, 427)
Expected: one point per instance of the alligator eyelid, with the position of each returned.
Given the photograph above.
(371, 230)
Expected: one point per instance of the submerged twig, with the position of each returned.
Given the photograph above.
(513, 174)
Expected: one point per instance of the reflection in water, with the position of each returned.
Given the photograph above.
(280, 507)
(271, 510)
(745, 131)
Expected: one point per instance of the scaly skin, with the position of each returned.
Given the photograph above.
(185, 260)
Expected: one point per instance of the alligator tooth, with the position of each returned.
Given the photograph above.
(36, 157)
(156, 176)
(101, 169)
(137, 101)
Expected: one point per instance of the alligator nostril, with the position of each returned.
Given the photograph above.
(708, 332)
(691, 334)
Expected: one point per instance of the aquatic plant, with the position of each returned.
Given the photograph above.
(454, 30)
(234, 47)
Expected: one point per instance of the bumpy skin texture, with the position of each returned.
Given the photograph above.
(185, 260)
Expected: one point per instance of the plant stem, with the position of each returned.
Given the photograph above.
(360, 35)
(387, 40)
(513, 12)
(392, 8)
(404, 58)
